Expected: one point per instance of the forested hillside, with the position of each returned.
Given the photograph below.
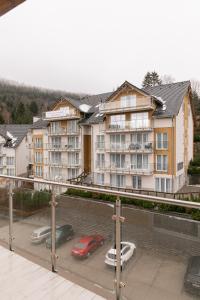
(19, 103)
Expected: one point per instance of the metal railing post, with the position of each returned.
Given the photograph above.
(53, 230)
(10, 194)
(118, 219)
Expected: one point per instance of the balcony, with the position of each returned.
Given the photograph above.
(163, 243)
(63, 164)
(60, 147)
(127, 126)
(143, 104)
(126, 168)
(61, 114)
(131, 147)
(100, 146)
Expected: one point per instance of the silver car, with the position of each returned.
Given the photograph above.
(41, 234)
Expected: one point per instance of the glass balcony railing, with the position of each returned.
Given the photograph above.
(139, 125)
(128, 245)
(141, 103)
(130, 147)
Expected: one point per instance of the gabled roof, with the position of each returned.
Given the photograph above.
(125, 85)
(14, 133)
(172, 94)
(95, 100)
(40, 124)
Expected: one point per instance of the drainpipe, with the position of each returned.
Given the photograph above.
(173, 142)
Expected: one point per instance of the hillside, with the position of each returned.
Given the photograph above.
(19, 103)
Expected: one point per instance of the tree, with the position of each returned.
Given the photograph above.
(167, 79)
(195, 86)
(151, 79)
(1, 119)
(33, 107)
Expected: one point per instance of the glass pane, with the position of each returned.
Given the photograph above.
(164, 262)
(32, 223)
(82, 249)
(4, 213)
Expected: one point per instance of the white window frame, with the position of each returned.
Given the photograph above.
(100, 141)
(117, 160)
(140, 159)
(162, 144)
(117, 180)
(163, 163)
(140, 120)
(118, 121)
(100, 162)
(128, 101)
(163, 184)
(137, 182)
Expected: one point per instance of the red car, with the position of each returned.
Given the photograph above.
(87, 244)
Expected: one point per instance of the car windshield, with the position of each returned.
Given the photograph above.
(80, 245)
(111, 256)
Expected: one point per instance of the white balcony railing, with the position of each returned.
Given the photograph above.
(63, 113)
(127, 168)
(140, 125)
(130, 147)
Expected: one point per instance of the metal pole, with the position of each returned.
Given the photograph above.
(53, 230)
(11, 215)
(118, 247)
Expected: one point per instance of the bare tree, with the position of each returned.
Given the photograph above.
(195, 86)
(166, 79)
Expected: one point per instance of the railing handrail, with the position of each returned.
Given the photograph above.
(183, 203)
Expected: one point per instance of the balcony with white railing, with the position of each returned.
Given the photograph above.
(141, 104)
(131, 147)
(66, 147)
(128, 168)
(61, 114)
(129, 126)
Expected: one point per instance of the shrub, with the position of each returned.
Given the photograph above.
(196, 138)
(28, 200)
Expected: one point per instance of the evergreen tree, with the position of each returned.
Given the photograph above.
(151, 79)
(33, 107)
(1, 119)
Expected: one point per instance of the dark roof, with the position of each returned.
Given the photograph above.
(40, 124)
(95, 100)
(14, 133)
(172, 94)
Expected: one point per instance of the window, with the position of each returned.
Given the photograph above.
(100, 160)
(56, 142)
(100, 178)
(137, 182)
(38, 171)
(73, 142)
(10, 161)
(56, 157)
(73, 158)
(117, 121)
(117, 161)
(163, 185)
(72, 126)
(161, 141)
(38, 157)
(117, 180)
(139, 161)
(117, 141)
(55, 127)
(128, 101)
(72, 173)
(10, 172)
(55, 173)
(38, 143)
(100, 142)
(140, 120)
(161, 162)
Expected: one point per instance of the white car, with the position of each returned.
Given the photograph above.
(127, 251)
(40, 235)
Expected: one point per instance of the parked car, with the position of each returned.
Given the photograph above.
(41, 234)
(64, 233)
(86, 245)
(127, 251)
(192, 275)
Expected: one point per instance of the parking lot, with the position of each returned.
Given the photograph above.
(153, 273)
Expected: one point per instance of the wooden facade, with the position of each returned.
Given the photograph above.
(7, 5)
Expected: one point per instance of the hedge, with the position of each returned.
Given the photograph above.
(195, 213)
(28, 200)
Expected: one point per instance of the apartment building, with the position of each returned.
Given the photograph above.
(130, 138)
(13, 150)
(60, 147)
(143, 139)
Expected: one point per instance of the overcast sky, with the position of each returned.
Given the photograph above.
(92, 46)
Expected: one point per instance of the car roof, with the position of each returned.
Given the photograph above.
(38, 230)
(123, 245)
(86, 239)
